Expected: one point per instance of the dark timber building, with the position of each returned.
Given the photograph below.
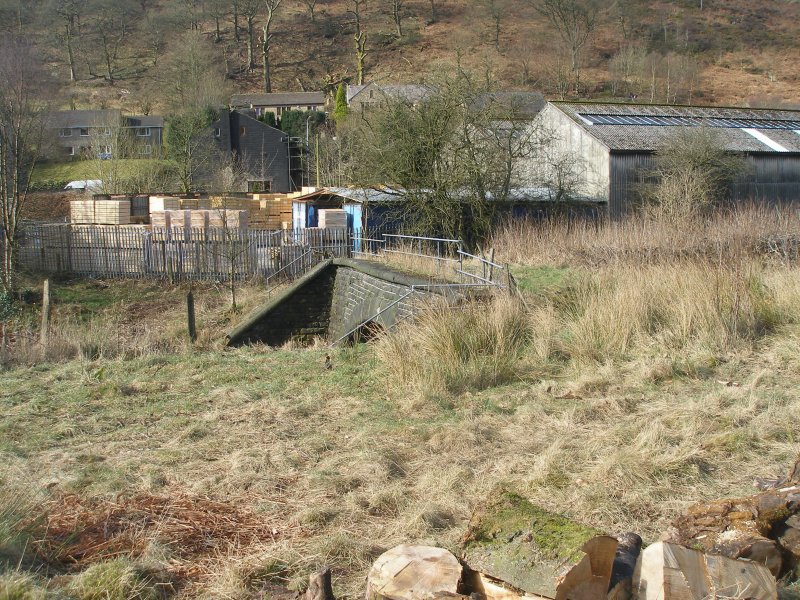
(271, 160)
(613, 146)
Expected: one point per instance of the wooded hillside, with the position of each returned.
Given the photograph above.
(155, 55)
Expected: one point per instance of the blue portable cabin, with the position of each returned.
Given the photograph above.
(366, 208)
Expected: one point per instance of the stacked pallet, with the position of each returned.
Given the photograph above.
(195, 203)
(273, 211)
(160, 218)
(81, 211)
(230, 203)
(198, 219)
(232, 219)
(162, 203)
(180, 218)
(101, 212)
(330, 218)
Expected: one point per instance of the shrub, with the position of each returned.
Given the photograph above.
(473, 347)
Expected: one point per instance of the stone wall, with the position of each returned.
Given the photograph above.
(331, 300)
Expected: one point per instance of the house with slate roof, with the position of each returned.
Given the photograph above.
(279, 102)
(614, 146)
(81, 133)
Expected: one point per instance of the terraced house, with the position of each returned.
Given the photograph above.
(106, 133)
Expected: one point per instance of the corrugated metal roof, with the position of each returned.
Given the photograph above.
(765, 124)
(278, 99)
(389, 195)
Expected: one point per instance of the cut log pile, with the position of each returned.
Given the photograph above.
(514, 550)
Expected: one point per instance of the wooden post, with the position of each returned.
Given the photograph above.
(45, 332)
(491, 264)
(190, 316)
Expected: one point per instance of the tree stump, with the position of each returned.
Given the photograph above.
(319, 585)
(414, 573)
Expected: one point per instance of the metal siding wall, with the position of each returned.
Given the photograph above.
(625, 180)
(773, 178)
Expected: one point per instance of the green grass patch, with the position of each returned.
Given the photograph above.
(540, 280)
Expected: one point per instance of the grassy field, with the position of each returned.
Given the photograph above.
(617, 395)
(57, 174)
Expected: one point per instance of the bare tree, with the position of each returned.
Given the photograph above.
(311, 5)
(24, 96)
(432, 18)
(69, 12)
(266, 37)
(396, 8)
(360, 37)
(217, 10)
(112, 23)
(495, 10)
(575, 21)
(250, 9)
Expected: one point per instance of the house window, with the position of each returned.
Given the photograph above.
(143, 132)
(69, 150)
(242, 131)
(260, 187)
(217, 132)
(146, 149)
(105, 131)
(84, 132)
(66, 133)
(106, 149)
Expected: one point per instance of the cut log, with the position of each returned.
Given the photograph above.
(738, 528)
(536, 551)
(319, 585)
(671, 572)
(414, 573)
(485, 587)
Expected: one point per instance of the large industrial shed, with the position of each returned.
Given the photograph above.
(612, 146)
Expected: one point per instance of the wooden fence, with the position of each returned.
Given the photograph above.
(175, 254)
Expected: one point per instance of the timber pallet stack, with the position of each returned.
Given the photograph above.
(100, 212)
(332, 218)
(275, 211)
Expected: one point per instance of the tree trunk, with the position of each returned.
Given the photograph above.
(250, 59)
(217, 34)
(70, 52)
(265, 60)
(433, 12)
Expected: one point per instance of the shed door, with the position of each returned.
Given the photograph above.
(353, 212)
(299, 215)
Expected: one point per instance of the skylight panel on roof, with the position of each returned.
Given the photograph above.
(687, 121)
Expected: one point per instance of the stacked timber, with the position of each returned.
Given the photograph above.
(195, 203)
(274, 210)
(160, 218)
(162, 203)
(81, 211)
(180, 218)
(230, 203)
(330, 218)
(232, 219)
(100, 212)
(198, 219)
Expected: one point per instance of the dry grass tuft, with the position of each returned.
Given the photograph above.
(473, 347)
(725, 236)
